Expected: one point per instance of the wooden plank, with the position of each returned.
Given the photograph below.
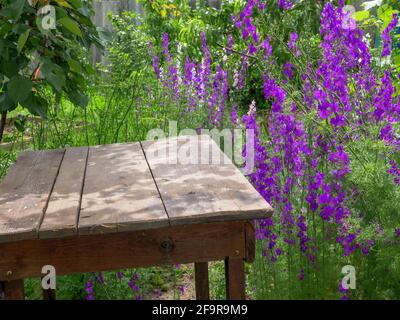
(250, 242)
(24, 194)
(12, 290)
(49, 294)
(61, 216)
(119, 192)
(235, 279)
(202, 281)
(198, 183)
(114, 251)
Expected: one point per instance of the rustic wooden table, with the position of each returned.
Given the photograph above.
(127, 206)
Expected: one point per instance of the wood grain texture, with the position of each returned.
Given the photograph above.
(198, 183)
(12, 290)
(24, 194)
(49, 294)
(250, 242)
(60, 219)
(202, 281)
(113, 251)
(235, 279)
(119, 192)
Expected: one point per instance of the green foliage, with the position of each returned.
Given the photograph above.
(128, 49)
(35, 57)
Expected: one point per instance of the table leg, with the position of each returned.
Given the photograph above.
(235, 279)
(201, 280)
(49, 294)
(12, 290)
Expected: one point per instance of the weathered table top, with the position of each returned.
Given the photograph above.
(123, 187)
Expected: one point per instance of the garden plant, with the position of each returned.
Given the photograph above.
(317, 81)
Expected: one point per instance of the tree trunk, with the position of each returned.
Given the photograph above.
(3, 124)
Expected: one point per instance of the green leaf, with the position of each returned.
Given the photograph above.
(76, 3)
(22, 40)
(78, 98)
(9, 68)
(19, 89)
(13, 10)
(63, 3)
(5, 103)
(19, 28)
(20, 123)
(104, 34)
(71, 25)
(53, 74)
(74, 66)
(361, 15)
(36, 105)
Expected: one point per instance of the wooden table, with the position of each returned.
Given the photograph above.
(131, 205)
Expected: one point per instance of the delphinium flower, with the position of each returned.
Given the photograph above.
(366, 246)
(165, 46)
(301, 274)
(245, 22)
(397, 232)
(288, 70)
(383, 102)
(156, 66)
(89, 290)
(285, 4)
(242, 72)
(205, 70)
(292, 43)
(261, 181)
(230, 44)
(100, 278)
(120, 275)
(386, 37)
(188, 72)
(181, 289)
(234, 115)
(134, 285)
(304, 239)
(190, 83)
(214, 99)
(386, 113)
(267, 48)
(344, 292)
(394, 171)
(172, 78)
(223, 97)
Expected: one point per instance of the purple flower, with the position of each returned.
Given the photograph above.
(285, 4)
(288, 70)
(301, 275)
(386, 38)
(234, 115)
(230, 44)
(267, 47)
(100, 278)
(292, 44)
(156, 66)
(89, 290)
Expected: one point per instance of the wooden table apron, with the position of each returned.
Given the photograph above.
(125, 206)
